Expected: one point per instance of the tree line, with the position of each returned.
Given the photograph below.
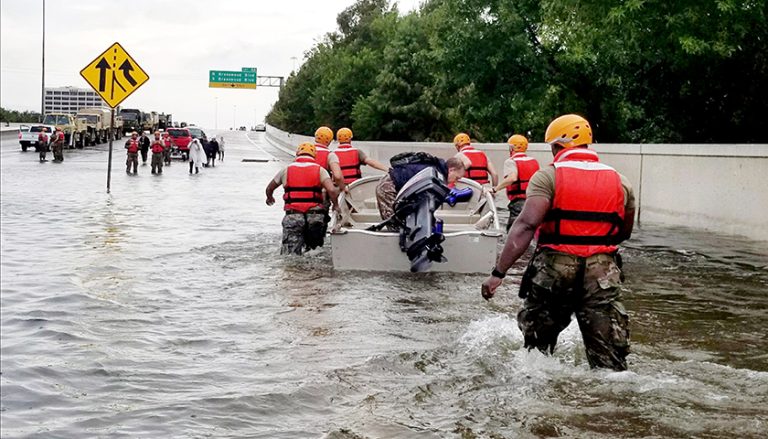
(19, 116)
(642, 71)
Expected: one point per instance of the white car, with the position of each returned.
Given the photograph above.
(28, 135)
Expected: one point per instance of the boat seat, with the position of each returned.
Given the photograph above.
(370, 203)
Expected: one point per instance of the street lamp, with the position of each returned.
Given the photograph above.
(293, 58)
(42, 75)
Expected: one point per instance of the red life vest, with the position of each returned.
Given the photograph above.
(303, 189)
(478, 170)
(587, 212)
(321, 155)
(526, 167)
(42, 137)
(349, 162)
(157, 146)
(133, 146)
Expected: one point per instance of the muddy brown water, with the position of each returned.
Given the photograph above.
(164, 310)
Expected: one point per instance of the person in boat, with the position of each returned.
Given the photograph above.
(303, 181)
(404, 167)
(582, 209)
(479, 168)
(518, 170)
(346, 160)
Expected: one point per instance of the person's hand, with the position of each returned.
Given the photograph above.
(270, 200)
(488, 289)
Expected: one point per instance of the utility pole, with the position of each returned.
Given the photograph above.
(42, 75)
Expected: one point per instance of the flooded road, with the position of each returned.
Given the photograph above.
(164, 310)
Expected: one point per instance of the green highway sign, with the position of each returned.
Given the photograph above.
(246, 78)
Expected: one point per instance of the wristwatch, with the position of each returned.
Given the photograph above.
(497, 273)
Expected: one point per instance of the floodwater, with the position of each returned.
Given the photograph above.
(164, 310)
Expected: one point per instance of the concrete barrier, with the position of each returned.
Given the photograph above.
(720, 188)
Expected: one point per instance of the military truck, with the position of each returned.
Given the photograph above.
(165, 121)
(66, 122)
(132, 120)
(93, 126)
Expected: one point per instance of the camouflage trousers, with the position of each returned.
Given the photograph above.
(58, 152)
(303, 231)
(556, 285)
(167, 156)
(515, 208)
(132, 160)
(157, 162)
(386, 192)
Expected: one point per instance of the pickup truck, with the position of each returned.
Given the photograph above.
(28, 135)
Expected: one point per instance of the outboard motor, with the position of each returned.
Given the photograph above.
(420, 233)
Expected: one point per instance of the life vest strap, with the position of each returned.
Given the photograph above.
(558, 215)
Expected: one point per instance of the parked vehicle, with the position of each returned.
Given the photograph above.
(132, 120)
(28, 135)
(260, 127)
(66, 122)
(198, 133)
(180, 138)
(93, 126)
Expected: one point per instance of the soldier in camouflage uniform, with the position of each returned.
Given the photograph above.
(304, 224)
(57, 145)
(575, 268)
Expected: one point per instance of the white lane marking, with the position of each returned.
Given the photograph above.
(257, 146)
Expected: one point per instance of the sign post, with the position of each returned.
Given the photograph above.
(114, 83)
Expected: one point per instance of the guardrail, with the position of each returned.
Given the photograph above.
(717, 187)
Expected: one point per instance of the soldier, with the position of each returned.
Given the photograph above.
(42, 143)
(585, 208)
(303, 181)
(132, 145)
(168, 148)
(157, 154)
(323, 138)
(518, 170)
(479, 168)
(57, 145)
(346, 160)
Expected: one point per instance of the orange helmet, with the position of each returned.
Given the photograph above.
(324, 135)
(306, 148)
(569, 131)
(518, 143)
(461, 139)
(344, 135)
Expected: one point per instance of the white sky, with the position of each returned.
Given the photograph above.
(176, 42)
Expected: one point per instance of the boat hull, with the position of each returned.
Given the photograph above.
(466, 252)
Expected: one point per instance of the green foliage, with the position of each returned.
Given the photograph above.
(639, 70)
(19, 116)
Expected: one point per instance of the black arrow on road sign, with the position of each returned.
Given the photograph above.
(103, 66)
(126, 67)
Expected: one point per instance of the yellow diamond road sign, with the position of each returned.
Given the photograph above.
(114, 75)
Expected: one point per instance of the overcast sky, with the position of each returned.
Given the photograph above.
(176, 42)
